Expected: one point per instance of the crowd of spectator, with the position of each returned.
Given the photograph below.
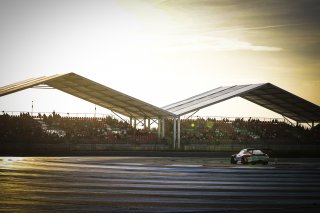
(18, 128)
(57, 129)
(210, 130)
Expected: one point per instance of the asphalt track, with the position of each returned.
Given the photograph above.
(157, 184)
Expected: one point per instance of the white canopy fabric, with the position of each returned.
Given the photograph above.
(93, 92)
(266, 95)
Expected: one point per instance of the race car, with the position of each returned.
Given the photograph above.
(250, 155)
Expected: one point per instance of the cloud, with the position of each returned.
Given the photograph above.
(259, 27)
(218, 44)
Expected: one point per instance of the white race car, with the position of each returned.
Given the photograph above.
(250, 155)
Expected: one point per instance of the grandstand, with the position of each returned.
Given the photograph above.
(171, 133)
(266, 95)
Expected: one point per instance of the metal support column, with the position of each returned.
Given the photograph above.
(144, 123)
(162, 128)
(149, 124)
(159, 128)
(179, 133)
(174, 133)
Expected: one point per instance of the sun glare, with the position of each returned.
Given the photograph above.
(165, 50)
(10, 160)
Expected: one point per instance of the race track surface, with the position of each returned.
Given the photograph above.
(157, 184)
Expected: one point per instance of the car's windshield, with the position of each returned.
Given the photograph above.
(257, 152)
(251, 151)
(242, 151)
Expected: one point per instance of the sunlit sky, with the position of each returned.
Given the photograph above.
(160, 51)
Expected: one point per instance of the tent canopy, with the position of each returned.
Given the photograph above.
(93, 92)
(265, 95)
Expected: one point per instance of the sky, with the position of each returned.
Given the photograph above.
(160, 51)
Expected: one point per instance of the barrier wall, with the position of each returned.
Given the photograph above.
(237, 147)
(56, 148)
(7, 148)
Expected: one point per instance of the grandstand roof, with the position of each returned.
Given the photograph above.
(265, 95)
(93, 92)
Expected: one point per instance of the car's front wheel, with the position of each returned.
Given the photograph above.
(232, 160)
